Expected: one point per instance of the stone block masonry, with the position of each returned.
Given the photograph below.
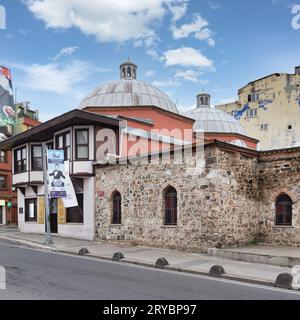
(279, 173)
(217, 208)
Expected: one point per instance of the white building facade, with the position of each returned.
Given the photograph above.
(74, 133)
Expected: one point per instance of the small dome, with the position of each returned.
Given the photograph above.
(128, 92)
(214, 120)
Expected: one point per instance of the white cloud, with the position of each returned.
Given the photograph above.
(100, 69)
(190, 75)
(178, 10)
(23, 32)
(150, 73)
(227, 100)
(215, 5)
(54, 77)
(185, 30)
(107, 20)
(152, 53)
(205, 34)
(150, 44)
(185, 108)
(197, 28)
(166, 83)
(65, 52)
(9, 36)
(187, 57)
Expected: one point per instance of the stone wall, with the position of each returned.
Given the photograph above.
(279, 172)
(216, 208)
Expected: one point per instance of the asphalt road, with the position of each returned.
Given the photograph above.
(39, 275)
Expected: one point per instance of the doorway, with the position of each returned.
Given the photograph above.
(53, 215)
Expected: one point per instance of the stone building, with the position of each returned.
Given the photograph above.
(242, 196)
(269, 109)
(189, 194)
(216, 207)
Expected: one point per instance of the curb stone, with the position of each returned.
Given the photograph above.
(226, 276)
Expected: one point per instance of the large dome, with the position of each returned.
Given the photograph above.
(211, 119)
(128, 92)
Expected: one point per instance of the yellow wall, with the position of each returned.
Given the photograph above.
(41, 211)
(282, 94)
(61, 212)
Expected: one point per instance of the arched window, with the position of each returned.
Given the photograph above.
(117, 212)
(128, 72)
(284, 210)
(124, 72)
(170, 199)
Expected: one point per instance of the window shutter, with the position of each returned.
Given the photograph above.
(41, 210)
(61, 211)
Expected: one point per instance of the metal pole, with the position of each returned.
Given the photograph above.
(48, 239)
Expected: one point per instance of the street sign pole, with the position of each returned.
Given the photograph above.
(48, 239)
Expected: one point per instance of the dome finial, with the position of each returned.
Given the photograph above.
(128, 70)
(203, 100)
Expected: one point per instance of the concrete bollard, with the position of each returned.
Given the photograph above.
(216, 271)
(83, 252)
(284, 281)
(118, 256)
(161, 263)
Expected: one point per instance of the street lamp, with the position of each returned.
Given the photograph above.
(48, 239)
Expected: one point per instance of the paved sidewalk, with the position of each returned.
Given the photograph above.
(265, 254)
(178, 260)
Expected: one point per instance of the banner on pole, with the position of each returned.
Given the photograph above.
(56, 174)
(70, 200)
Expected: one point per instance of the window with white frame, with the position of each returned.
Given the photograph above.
(251, 113)
(253, 97)
(264, 127)
(31, 210)
(20, 160)
(3, 158)
(36, 157)
(82, 144)
(63, 142)
(3, 183)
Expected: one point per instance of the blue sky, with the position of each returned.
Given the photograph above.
(59, 50)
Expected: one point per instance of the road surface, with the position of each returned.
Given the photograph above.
(33, 274)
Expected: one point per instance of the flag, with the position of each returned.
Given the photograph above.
(7, 112)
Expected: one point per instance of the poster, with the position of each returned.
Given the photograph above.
(7, 112)
(70, 200)
(56, 174)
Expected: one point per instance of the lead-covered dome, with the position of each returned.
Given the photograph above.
(211, 119)
(128, 92)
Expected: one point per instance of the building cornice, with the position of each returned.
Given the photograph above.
(126, 108)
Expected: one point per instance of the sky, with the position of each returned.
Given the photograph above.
(60, 50)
